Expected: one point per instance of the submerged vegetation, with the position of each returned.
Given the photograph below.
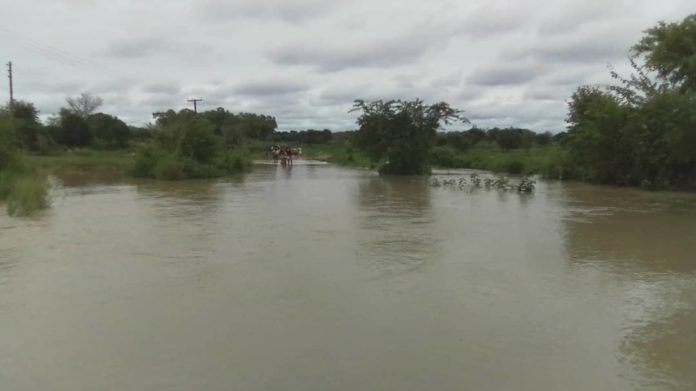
(23, 191)
(525, 184)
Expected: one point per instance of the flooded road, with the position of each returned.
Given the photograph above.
(325, 278)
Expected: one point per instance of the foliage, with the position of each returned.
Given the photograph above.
(24, 191)
(309, 136)
(402, 133)
(641, 132)
(72, 130)
(109, 130)
(27, 195)
(30, 132)
(342, 153)
(670, 51)
(525, 185)
(9, 144)
(185, 146)
(548, 161)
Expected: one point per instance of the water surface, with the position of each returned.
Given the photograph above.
(322, 278)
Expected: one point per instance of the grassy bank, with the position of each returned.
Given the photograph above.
(549, 162)
(341, 154)
(23, 191)
(83, 159)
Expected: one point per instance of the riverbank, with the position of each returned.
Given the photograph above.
(83, 159)
(340, 154)
(548, 162)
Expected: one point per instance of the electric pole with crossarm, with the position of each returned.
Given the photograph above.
(195, 101)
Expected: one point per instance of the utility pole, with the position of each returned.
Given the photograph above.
(195, 101)
(9, 76)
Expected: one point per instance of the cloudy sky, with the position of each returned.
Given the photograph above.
(505, 62)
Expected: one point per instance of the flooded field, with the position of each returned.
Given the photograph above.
(323, 278)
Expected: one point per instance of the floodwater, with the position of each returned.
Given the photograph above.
(323, 278)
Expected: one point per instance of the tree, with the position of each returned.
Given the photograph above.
(85, 104)
(670, 51)
(8, 142)
(187, 135)
(72, 130)
(596, 130)
(402, 133)
(25, 119)
(109, 130)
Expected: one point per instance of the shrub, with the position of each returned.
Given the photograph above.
(27, 195)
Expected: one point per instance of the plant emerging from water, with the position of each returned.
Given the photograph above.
(525, 185)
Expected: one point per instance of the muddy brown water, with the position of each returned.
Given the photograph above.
(325, 278)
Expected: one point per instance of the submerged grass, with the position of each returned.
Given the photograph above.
(29, 193)
(23, 191)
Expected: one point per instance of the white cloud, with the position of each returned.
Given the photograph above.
(305, 61)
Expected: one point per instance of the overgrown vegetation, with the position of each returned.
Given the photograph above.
(641, 132)
(400, 134)
(524, 185)
(23, 191)
(187, 145)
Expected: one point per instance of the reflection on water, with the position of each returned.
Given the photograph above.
(389, 202)
(314, 277)
(645, 243)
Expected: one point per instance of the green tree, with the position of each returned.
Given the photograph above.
(596, 126)
(28, 129)
(109, 130)
(402, 133)
(72, 130)
(9, 143)
(670, 51)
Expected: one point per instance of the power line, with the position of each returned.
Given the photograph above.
(56, 54)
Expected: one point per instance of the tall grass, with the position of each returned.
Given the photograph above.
(338, 153)
(549, 162)
(23, 192)
(27, 195)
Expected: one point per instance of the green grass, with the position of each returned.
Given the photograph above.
(22, 191)
(341, 154)
(29, 193)
(549, 162)
(82, 159)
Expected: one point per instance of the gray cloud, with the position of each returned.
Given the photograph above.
(161, 88)
(336, 57)
(288, 11)
(136, 48)
(144, 47)
(270, 87)
(507, 74)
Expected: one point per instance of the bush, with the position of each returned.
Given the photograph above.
(27, 195)
(513, 166)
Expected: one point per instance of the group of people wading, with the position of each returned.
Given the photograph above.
(284, 153)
